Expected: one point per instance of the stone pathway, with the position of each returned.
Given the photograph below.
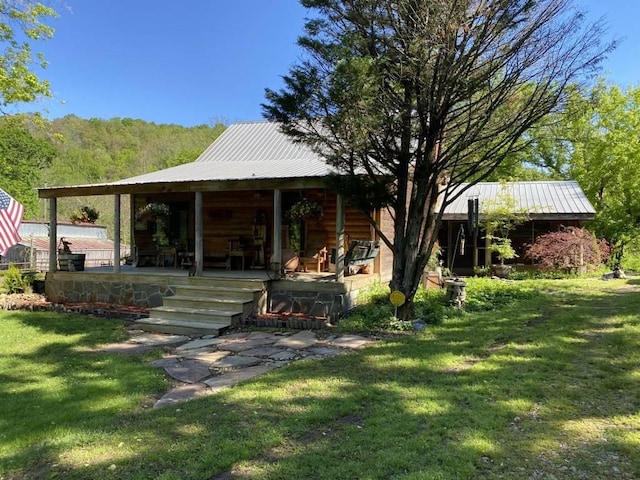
(207, 365)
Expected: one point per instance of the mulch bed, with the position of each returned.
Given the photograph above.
(289, 321)
(36, 302)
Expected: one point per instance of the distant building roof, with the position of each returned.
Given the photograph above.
(561, 200)
(81, 236)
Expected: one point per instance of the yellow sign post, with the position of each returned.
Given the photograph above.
(396, 298)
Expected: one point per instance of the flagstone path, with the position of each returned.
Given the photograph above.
(206, 365)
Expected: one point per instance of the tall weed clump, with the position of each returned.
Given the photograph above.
(14, 282)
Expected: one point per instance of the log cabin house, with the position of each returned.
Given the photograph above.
(228, 219)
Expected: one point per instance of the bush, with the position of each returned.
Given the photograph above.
(630, 260)
(484, 294)
(14, 282)
(562, 250)
(375, 312)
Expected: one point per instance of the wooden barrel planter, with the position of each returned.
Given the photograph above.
(71, 262)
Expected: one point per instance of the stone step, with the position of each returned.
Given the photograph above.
(196, 314)
(231, 293)
(181, 327)
(245, 307)
(213, 302)
(212, 283)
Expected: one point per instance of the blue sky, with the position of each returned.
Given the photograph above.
(197, 62)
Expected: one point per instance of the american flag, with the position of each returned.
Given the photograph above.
(10, 220)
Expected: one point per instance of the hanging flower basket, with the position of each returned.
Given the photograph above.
(153, 212)
(305, 209)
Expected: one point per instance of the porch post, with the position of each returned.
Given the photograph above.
(53, 234)
(450, 249)
(199, 254)
(132, 229)
(116, 233)
(339, 238)
(487, 251)
(277, 227)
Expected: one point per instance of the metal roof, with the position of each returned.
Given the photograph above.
(244, 151)
(543, 200)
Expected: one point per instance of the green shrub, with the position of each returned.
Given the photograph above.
(630, 261)
(14, 282)
(374, 312)
(485, 294)
(541, 275)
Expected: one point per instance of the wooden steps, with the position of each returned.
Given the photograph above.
(204, 306)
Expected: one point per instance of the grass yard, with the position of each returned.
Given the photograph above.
(548, 388)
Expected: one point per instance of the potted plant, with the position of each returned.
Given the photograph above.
(433, 271)
(303, 209)
(503, 249)
(86, 214)
(501, 216)
(67, 260)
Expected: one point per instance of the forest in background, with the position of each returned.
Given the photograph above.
(37, 153)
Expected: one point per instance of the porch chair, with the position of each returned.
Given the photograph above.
(317, 260)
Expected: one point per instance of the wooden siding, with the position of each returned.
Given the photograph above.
(232, 215)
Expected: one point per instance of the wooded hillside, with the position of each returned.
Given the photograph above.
(76, 151)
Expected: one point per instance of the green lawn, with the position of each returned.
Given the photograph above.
(547, 388)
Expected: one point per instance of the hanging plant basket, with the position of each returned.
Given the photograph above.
(153, 212)
(305, 209)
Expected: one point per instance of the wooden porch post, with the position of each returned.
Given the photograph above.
(487, 251)
(277, 228)
(116, 233)
(53, 234)
(450, 249)
(199, 244)
(132, 229)
(339, 238)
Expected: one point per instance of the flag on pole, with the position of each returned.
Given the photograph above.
(10, 220)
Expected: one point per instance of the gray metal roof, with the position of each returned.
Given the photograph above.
(543, 200)
(244, 151)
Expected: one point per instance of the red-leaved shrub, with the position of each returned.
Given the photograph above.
(564, 249)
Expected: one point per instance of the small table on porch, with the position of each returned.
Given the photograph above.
(186, 259)
(163, 253)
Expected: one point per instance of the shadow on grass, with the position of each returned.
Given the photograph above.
(543, 388)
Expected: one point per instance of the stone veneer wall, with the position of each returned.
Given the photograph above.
(93, 290)
(328, 299)
(323, 300)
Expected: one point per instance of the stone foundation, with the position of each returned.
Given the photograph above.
(86, 289)
(317, 300)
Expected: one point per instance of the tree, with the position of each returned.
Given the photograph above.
(410, 98)
(571, 249)
(23, 157)
(21, 22)
(605, 160)
(499, 217)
